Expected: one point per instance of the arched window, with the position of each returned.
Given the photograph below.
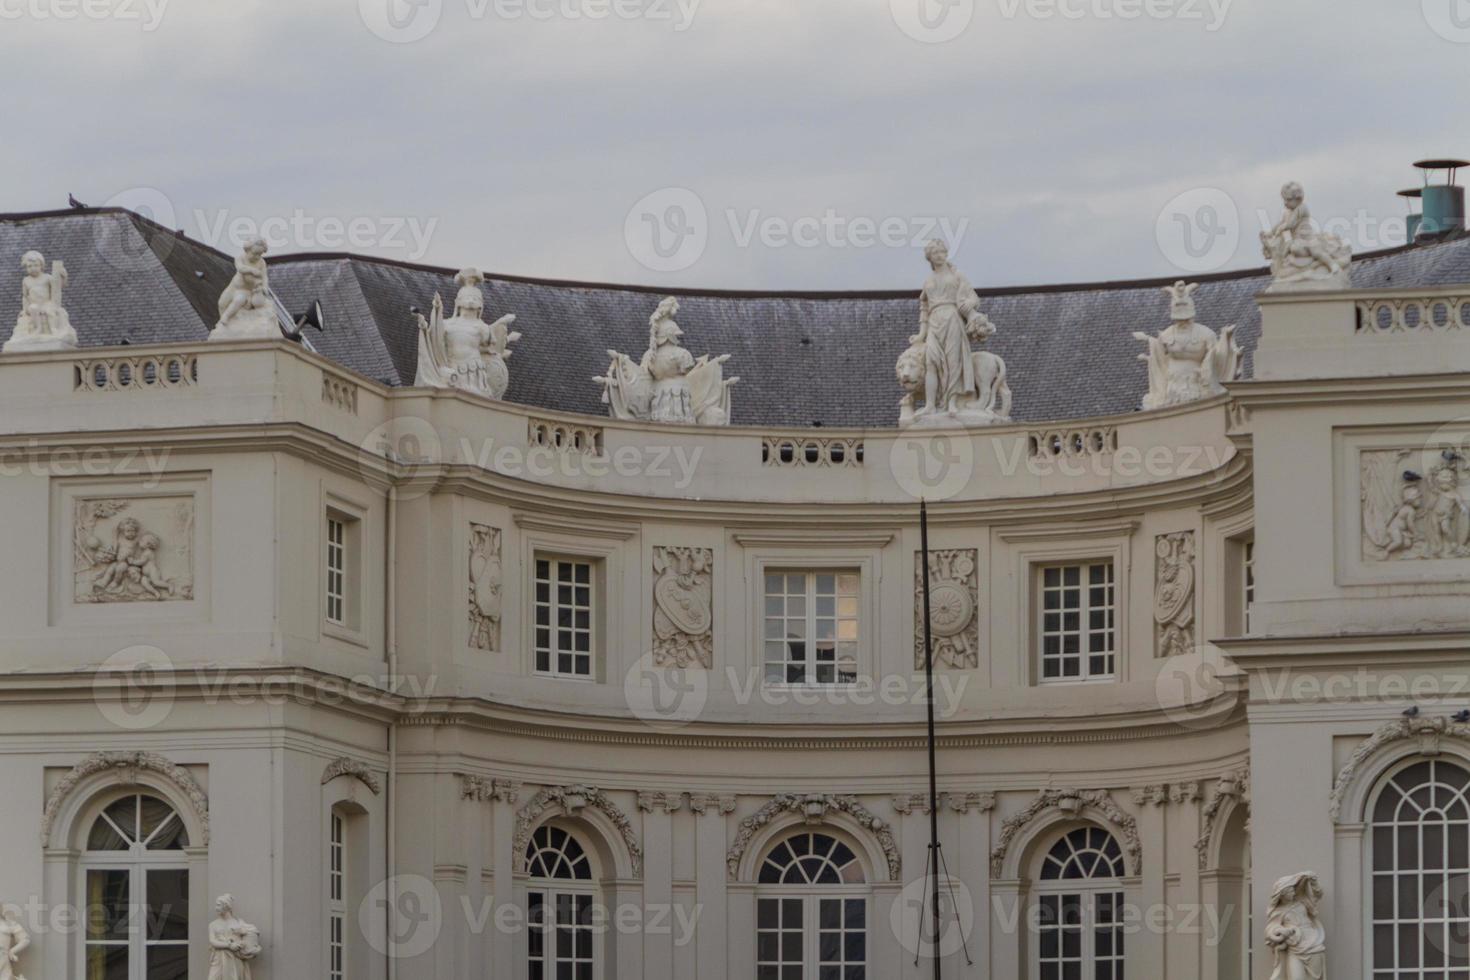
(136, 886)
(559, 907)
(1421, 873)
(812, 911)
(1081, 929)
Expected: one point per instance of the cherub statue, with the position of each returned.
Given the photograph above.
(1187, 361)
(1301, 256)
(120, 558)
(959, 386)
(233, 943)
(42, 323)
(1416, 505)
(668, 385)
(247, 309)
(464, 351)
(1293, 930)
(14, 940)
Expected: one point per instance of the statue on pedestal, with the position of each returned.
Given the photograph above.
(233, 943)
(1302, 257)
(668, 385)
(43, 323)
(1187, 361)
(959, 386)
(247, 311)
(1294, 933)
(464, 351)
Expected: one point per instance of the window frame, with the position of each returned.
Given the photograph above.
(1039, 590)
(811, 897)
(1089, 891)
(337, 892)
(810, 598)
(596, 577)
(352, 518)
(571, 888)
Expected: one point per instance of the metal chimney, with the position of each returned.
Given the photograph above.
(1410, 195)
(1443, 204)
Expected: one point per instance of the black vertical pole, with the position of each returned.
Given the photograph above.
(933, 775)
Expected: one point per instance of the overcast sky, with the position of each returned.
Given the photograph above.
(783, 144)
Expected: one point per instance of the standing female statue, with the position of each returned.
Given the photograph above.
(1293, 931)
(233, 943)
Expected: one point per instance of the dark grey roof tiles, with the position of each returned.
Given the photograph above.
(803, 359)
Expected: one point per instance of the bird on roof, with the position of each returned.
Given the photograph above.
(71, 199)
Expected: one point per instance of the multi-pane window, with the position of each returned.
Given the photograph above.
(336, 571)
(812, 912)
(563, 617)
(1078, 622)
(337, 898)
(137, 892)
(1080, 928)
(1421, 874)
(560, 913)
(811, 627)
(1248, 575)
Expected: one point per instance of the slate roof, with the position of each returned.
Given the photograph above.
(804, 359)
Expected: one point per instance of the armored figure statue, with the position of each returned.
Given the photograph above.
(464, 351)
(959, 386)
(43, 323)
(1302, 257)
(1187, 361)
(668, 385)
(247, 310)
(1294, 933)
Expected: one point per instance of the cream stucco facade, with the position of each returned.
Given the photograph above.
(338, 660)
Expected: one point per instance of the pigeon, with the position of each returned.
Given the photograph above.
(1462, 716)
(1412, 711)
(71, 199)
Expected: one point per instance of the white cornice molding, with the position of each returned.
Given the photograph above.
(812, 536)
(582, 527)
(1069, 531)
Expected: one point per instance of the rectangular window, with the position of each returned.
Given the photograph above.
(811, 627)
(336, 899)
(1078, 627)
(1248, 585)
(564, 634)
(336, 571)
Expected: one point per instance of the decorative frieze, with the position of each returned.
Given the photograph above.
(484, 789)
(344, 766)
(907, 803)
(486, 580)
(133, 549)
(1069, 803)
(572, 800)
(683, 607)
(814, 809)
(807, 452)
(954, 600)
(1174, 579)
(1415, 504)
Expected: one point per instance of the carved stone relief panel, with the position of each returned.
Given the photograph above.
(954, 608)
(683, 607)
(486, 581)
(1415, 504)
(133, 549)
(1174, 577)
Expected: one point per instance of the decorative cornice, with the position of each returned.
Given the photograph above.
(566, 524)
(1429, 732)
(1069, 531)
(712, 804)
(906, 803)
(483, 789)
(344, 766)
(1232, 786)
(572, 800)
(847, 538)
(1069, 802)
(125, 767)
(814, 808)
(665, 802)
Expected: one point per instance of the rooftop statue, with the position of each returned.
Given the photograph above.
(43, 323)
(960, 386)
(668, 385)
(1294, 932)
(1187, 361)
(1302, 257)
(464, 351)
(247, 311)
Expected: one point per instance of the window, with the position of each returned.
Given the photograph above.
(337, 897)
(136, 887)
(559, 899)
(812, 911)
(564, 635)
(1421, 874)
(336, 571)
(1248, 579)
(1078, 622)
(1080, 934)
(811, 631)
